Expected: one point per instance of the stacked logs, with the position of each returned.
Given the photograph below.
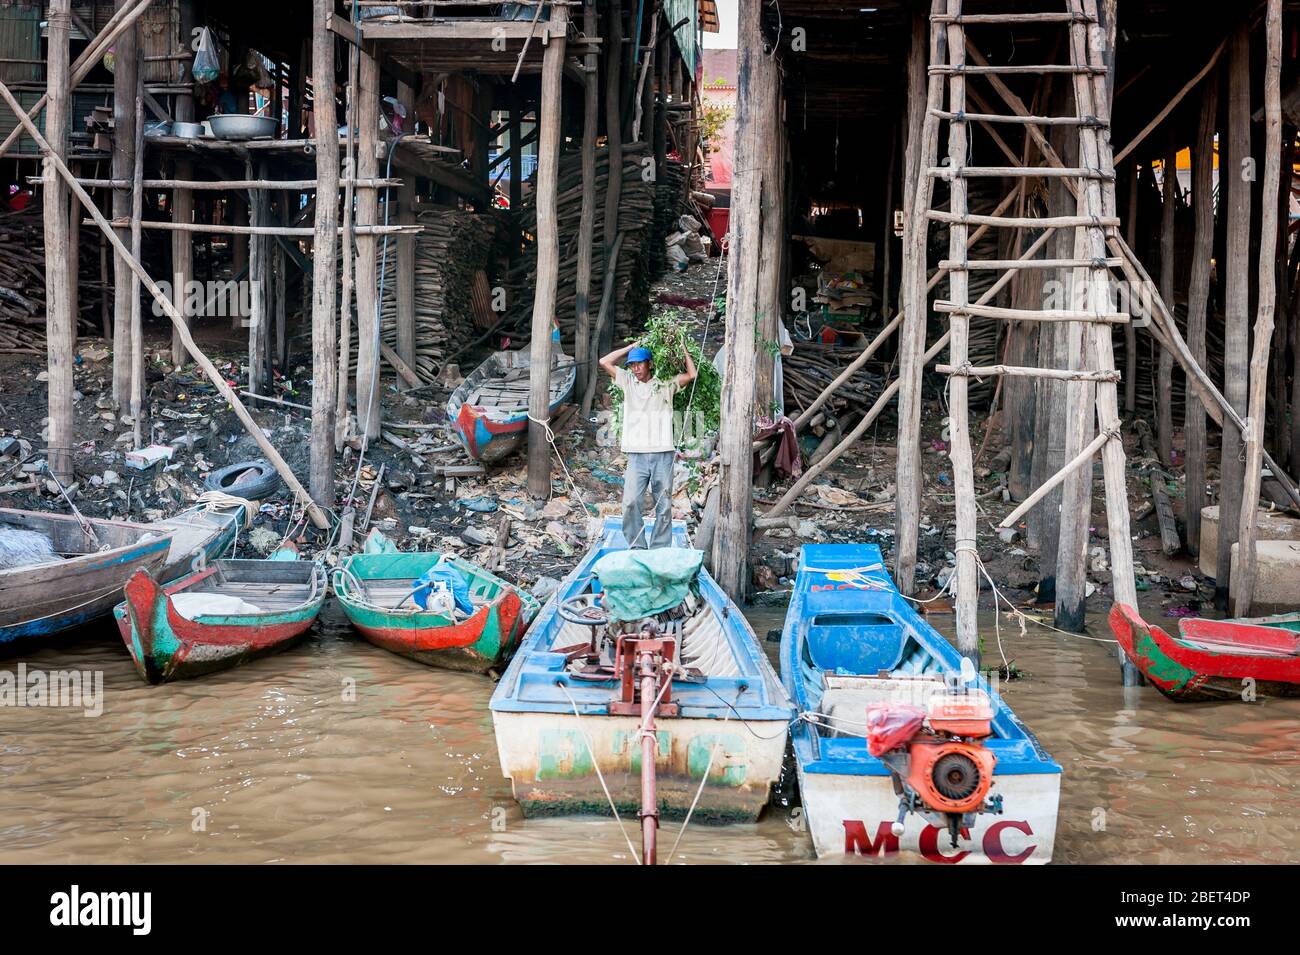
(635, 219)
(22, 281)
(812, 367)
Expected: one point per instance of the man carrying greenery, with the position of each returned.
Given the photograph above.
(647, 439)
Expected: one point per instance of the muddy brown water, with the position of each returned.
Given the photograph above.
(337, 751)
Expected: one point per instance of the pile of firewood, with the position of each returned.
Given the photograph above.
(22, 281)
(813, 366)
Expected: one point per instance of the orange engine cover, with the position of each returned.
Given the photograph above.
(950, 775)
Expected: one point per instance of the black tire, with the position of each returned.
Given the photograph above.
(251, 479)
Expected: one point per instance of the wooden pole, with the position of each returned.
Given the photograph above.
(756, 104)
(772, 242)
(366, 105)
(314, 513)
(60, 322)
(614, 139)
(1247, 567)
(582, 343)
(1236, 303)
(1164, 385)
(182, 206)
(548, 262)
(342, 417)
(259, 248)
(324, 373)
(126, 77)
(406, 197)
(923, 98)
(137, 318)
(1130, 330)
(1198, 297)
(516, 161)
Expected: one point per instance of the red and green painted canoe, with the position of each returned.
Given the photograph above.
(1214, 659)
(234, 611)
(376, 593)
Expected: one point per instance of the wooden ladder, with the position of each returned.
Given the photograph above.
(1091, 376)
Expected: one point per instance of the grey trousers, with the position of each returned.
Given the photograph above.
(655, 470)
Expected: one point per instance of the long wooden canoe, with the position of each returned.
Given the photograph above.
(281, 600)
(1214, 659)
(489, 410)
(376, 591)
(200, 535)
(44, 599)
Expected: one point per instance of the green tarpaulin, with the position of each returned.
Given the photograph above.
(642, 583)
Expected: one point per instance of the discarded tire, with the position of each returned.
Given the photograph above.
(251, 479)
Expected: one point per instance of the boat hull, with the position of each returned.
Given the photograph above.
(1192, 675)
(44, 600)
(166, 646)
(475, 645)
(487, 439)
(551, 760)
(491, 433)
(851, 815)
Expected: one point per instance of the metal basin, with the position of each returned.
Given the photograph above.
(240, 126)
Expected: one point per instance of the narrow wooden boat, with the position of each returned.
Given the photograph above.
(377, 593)
(219, 617)
(565, 733)
(1214, 659)
(44, 599)
(489, 410)
(854, 648)
(200, 535)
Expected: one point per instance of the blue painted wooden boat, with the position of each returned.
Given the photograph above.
(84, 584)
(554, 726)
(851, 643)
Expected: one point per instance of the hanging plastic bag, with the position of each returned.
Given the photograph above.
(207, 59)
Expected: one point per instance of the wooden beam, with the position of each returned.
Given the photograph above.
(1247, 567)
(366, 105)
(583, 347)
(1164, 384)
(1198, 298)
(126, 88)
(137, 239)
(548, 262)
(406, 197)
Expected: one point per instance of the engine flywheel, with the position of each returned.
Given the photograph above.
(955, 776)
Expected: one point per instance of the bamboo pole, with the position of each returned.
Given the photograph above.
(1198, 297)
(366, 106)
(324, 372)
(582, 344)
(315, 514)
(918, 188)
(61, 323)
(1247, 566)
(1236, 304)
(548, 262)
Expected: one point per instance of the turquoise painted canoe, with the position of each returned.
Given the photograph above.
(220, 617)
(376, 591)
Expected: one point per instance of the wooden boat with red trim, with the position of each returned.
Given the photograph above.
(222, 616)
(1214, 659)
(377, 591)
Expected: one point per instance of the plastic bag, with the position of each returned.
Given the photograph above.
(207, 59)
(890, 726)
(445, 578)
(194, 605)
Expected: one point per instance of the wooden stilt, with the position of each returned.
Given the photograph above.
(1236, 305)
(366, 106)
(259, 214)
(324, 373)
(924, 97)
(613, 47)
(342, 416)
(126, 76)
(1244, 582)
(137, 318)
(60, 321)
(756, 104)
(772, 242)
(516, 159)
(1198, 297)
(548, 263)
(405, 291)
(1130, 331)
(1165, 371)
(582, 344)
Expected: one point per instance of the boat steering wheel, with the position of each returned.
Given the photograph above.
(584, 610)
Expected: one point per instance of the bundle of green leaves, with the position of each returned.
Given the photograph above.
(698, 406)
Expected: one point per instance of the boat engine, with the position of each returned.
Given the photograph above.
(941, 769)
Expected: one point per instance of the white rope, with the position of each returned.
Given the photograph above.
(212, 501)
(595, 763)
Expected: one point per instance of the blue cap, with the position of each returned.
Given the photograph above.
(638, 354)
